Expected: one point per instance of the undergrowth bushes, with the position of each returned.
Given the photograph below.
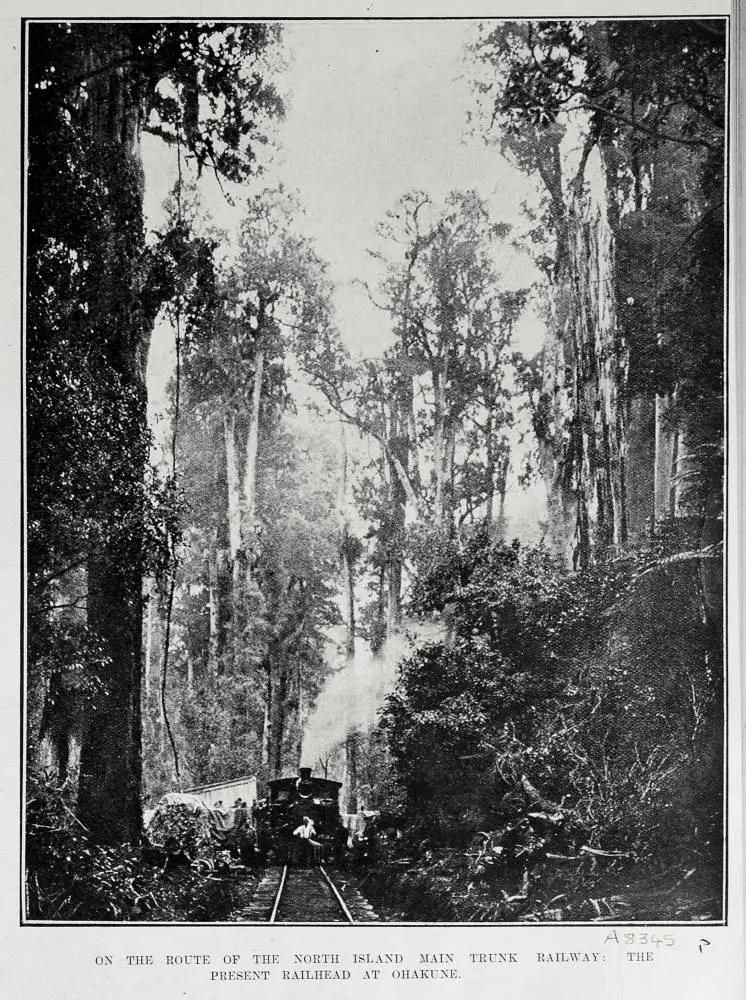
(602, 689)
(68, 877)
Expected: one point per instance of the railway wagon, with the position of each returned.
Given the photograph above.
(225, 793)
(289, 801)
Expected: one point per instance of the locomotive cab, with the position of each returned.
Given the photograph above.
(289, 801)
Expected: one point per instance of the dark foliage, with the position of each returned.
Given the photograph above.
(94, 288)
(71, 877)
(602, 688)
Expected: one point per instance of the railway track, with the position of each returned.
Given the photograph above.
(308, 894)
(294, 895)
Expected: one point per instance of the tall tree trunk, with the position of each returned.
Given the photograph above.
(348, 596)
(300, 712)
(641, 450)
(665, 438)
(393, 596)
(501, 471)
(489, 469)
(399, 451)
(110, 760)
(149, 638)
(439, 445)
(550, 423)
(583, 337)
(237, 603)
(234, 495)
(378, 631)
(352, 729)
(348, 613)
(675, 462)
(599, 362)
(411, 432)
(405, 384)
(403, 470)
(278, 683)
(449, 473)
(213, 598)
(111, 754)
(351, 770)
(277, 717)
(267, 722)
(252, 450)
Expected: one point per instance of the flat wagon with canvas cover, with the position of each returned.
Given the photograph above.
(198, 823)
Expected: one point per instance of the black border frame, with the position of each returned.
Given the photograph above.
(728, 151)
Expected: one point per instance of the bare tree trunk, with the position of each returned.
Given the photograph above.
(351, 770)
(583, 337)
(439, 446)
(393, 597)
(213, 610)
(278, 679)
(277, 717)
(489, 471)
(600, 363)
(550, 423)
(641, 448)
(109, 800)
(111, 754)
(348, 599)
(498, 527)
(234, 503)
(148, 639)
(301, 710)
(398, 449)
(675, 463)
(378, 631)
(348, 611)
(448, 474)
(352, 735)
(267, 723)
(411, 429)
(665, 437)
(252, 450)
(234, 534)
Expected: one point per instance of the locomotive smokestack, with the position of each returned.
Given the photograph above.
(305, 773)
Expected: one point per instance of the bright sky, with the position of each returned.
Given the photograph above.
(375, 109)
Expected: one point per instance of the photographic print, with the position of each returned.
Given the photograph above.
(374, 449)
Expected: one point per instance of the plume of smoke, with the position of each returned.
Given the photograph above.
(356, 690)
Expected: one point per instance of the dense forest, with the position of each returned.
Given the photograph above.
(311, 559)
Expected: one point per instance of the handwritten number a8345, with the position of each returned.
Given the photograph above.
(643, 938)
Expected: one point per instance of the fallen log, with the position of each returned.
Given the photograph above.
(597, 853)
(538, 798)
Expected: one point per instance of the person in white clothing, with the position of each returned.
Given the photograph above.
(306, 831)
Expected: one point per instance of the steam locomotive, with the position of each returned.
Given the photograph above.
(289, 803)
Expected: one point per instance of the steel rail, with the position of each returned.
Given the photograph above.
(337, 896)
(278, 896)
